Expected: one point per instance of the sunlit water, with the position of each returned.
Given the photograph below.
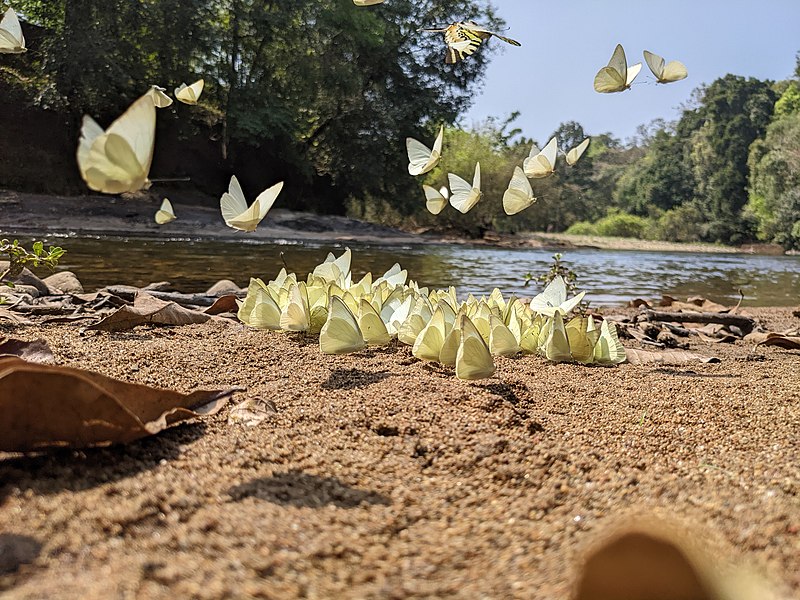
(611, 277)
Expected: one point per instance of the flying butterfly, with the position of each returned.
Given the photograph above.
(541, 163)
(422, 159)
(665, 72)
(118, 159)
(435, 200)
(165, 214)
(463, 38)
(367, 2)
(189, 94)
(519, 194)
(463, 195)
(575, 154)
(159, 96)
(11, 39)
(617, 76)
(234, 207)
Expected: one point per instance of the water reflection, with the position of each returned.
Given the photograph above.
(610, 277)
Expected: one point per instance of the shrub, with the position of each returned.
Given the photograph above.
(582, 228)
(620, 224)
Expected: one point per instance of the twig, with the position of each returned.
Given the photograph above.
(746, 324)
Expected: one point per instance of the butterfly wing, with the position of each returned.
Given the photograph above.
(90, 131)
(137, 126)
(674, 71)
(519, 194)
(165, 214)
(613, 77)
(473, 360)
(435, 201)
(419, 157)
(11, 39)
(341, 333)
(267, 198)
(575, 154)
(633, 71)
(367, 2)
(655, 63)
(160, 99)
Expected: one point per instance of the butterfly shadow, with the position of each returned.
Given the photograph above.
(689, 373)
(54, 471)
(17, 550)
(303, 490)
(350, 379)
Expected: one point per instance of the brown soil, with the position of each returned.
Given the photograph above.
(383, 476)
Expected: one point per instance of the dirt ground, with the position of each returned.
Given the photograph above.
(380, 476)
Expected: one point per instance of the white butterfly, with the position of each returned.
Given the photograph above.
(554, 299)
(165, 214)
(574, 155)
(519, 194)
(465, 196)
(435, 200)
(617, 76)
(663, 71)
(160, 98)
(422, 159)
(11, 39)
(541, 164)
(189, 94)
(236, 212)
(118, 159)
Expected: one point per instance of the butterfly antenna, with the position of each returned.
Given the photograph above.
(283, 260)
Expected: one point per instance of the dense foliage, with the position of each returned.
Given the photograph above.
(318, 92)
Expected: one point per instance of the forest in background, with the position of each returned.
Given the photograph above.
(322, 94)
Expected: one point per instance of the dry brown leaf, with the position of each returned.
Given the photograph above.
(223, 304)
(774, 339)
(36, 351)
(654, 560)
(149, 310)
(46, 406)
(637, 302)
(666, 357)
(251, 412)
(15, 318)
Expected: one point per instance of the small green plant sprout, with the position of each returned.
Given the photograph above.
(558, 267)
(19, 258)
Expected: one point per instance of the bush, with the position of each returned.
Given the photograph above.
(681, 224)
(620, 224)
(582, 228)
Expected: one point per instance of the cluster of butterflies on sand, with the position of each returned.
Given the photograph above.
(349, 316)
(463, 197)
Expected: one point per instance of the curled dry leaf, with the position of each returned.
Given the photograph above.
(223, 304)
(149, 310)
(667, 357)
(251, 412)
(14, 318)
(654, 560)
(47, 406)
(36, 351)
(774, 339)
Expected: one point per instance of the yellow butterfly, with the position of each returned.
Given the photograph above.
(422, 159)
(617, 76)
(435, 200)
(464, 196)
(541, 164)
(11, 39)
(118, 159)
(575, 154)
(519, 194)
(556, 347)
(296, 315)
(663, 71)
(159, 96)
(473, 360)
(341, 333)
(165, 214)
(464, 38)
(372, 326)
(189, 94)
(428, 344)
(609, 350)
(234, 207)
(502, 341)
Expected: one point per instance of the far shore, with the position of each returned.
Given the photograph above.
(33, 215)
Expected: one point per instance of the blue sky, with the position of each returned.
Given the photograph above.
(549, 79)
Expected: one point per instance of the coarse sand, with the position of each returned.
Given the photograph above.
(381, 476)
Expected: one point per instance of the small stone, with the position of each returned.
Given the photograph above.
(223, 287)
(65, 282)
(28, 278)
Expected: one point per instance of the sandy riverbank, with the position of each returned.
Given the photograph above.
(381, 476)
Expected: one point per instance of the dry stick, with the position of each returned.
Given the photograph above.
(746, 324)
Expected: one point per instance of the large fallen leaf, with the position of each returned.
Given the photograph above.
(149, 310)
(36, 351)
(14, 318)
(45, 406)
(666, 357)
(659, 561)
(774, 339)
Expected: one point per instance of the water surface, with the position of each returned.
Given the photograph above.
(611, 277)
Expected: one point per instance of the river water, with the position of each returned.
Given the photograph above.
(611, 277)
